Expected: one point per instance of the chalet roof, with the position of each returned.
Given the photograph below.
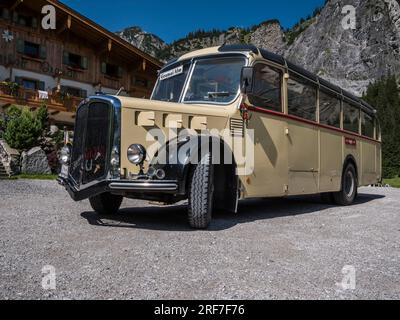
(68, 18)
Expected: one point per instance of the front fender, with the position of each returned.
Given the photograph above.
(177, 156)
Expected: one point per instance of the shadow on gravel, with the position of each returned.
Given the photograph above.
(173, 218)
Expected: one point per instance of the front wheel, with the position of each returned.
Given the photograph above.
(106, 203)
(348, 192)
(201, 193)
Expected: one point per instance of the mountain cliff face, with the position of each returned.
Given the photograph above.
(349, 58)
(269, 34)
(147, 42)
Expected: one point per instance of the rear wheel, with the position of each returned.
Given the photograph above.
(106, 203)
(348, 192)
(201, 193)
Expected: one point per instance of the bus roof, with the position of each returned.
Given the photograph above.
(278, 59)
(267, 55)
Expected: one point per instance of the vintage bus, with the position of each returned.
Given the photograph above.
(307, 137)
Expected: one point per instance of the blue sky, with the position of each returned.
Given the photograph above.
(174, 19)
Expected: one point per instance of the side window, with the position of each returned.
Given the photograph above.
(267, 88)
(351, 117)
(302, 98)
(329, 107)
(367, 125)
(378, 129)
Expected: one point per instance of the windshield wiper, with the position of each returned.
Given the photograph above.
(218, 94)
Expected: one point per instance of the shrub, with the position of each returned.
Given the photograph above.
(24, 127)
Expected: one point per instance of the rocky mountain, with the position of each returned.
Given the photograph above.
(147, 42)
(351, 58)
(321, 43)
(268, 34)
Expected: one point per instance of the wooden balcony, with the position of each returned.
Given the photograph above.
(25, 97)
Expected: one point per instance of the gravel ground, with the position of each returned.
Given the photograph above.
(274, 249)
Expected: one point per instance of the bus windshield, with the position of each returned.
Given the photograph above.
(215, 81)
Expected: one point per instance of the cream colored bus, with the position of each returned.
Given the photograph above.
(307, 137)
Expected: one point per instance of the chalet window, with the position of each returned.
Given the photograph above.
(76, 92)
(75, 60)
(5, 14)
(30, 84)
(31, 49)
(267, 88)
(351, 118)
(111, 70)
(367, 125)
(140, 82)
(302, 98)
(25, 20)
(329, 106)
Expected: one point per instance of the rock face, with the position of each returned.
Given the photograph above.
(147, 42)
(352, 58)
(349, 58)
(269, 35)
(35, 162)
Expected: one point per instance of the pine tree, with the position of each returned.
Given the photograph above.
(385, 96)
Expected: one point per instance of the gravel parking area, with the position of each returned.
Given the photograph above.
(274, 249)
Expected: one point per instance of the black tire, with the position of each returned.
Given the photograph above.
(201, 193)
(327, 198)
(106, 203)
(349, 190)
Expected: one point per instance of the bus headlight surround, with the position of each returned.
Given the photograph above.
(136, 154)
(65, 155)
(115, 160)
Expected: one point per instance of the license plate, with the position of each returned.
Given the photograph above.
(64, 171)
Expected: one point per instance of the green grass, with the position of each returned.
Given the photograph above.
(34, 177)
(393, 182)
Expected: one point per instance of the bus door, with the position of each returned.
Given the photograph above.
(302, 137)
(268, 123)
(303, 158)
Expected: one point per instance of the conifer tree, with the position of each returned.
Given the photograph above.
(384, 95)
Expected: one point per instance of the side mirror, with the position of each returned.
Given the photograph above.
(246, 80)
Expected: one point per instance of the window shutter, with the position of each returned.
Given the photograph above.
(120, 71)
(5, 14)
(104, 68)
(19, 80)
(43, 52)
(15, 17)
(34, 23)
(84, 63)
(66, 57)
(41, 85)
(20, 46)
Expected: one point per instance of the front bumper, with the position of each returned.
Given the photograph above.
(120, 186)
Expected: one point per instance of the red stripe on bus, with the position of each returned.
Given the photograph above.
(309, 122)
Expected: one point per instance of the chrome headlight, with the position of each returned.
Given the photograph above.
(65, 155)
(136, 154)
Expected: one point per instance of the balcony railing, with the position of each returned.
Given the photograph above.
(12, 94)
